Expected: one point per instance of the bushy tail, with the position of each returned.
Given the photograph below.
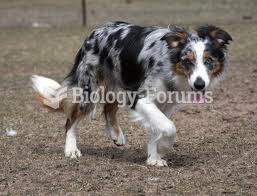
(48, 92)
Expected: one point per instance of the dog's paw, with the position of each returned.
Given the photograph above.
(72, 153)
(120, 141)
(156, 162)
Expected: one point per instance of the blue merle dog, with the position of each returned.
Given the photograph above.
(125, 57)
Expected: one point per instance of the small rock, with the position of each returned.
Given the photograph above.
(251, 90)
(246, 81)
(128, 1)
(11, 132)
(247, 17)
(40, 25)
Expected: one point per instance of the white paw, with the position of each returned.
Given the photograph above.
(120, 141)
(156, 162)
(72, 153)
(93, 117)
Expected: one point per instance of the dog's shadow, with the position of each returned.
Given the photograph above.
(176, 159)
(115, 153)
(136, 155)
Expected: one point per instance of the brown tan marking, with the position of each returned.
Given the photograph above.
(190, 56)
(206, 55)
(110, 111)
(217, 66)
(180, 70)
(175, 39)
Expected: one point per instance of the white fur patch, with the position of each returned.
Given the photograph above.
(43, 85)
(162, 130)
(156, 161)
(119, 139)
(93, 114)
(71, 150)
(150, 113)
(154, 158)
(200, 69)
(39, 82)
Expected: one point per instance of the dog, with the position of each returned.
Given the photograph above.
(124, 57)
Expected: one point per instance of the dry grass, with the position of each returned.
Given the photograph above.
(66, 12)
(216, 147)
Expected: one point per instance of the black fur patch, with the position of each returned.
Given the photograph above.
(88, 46)
(132, 72)
(96, 47)
(92, 35)
(215, 51)
(151, 45)
(109, 63)
(151, 62)
(120, 22)
(114, 36)
(103, 55)
(159, 64)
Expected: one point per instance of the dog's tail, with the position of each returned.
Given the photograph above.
(48, 92)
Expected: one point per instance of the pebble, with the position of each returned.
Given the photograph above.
(11, 132)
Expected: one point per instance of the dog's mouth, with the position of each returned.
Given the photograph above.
(197, 96)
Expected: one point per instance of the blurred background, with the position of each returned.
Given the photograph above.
(215, 151)
(46, 13)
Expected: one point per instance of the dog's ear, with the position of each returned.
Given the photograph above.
(176, 38)
(216, 34)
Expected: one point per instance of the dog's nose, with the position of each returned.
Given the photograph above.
(199, 84)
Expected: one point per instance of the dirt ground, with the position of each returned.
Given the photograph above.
(216, 147)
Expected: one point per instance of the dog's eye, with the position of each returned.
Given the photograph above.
(209, 63)
(187, 63)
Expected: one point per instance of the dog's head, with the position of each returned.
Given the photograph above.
(200, 57)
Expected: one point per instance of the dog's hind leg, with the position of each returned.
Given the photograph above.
(112, 124)
(93, 114)
(71, 150)
(74, 115)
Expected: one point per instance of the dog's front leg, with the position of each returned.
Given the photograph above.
(161, 128)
